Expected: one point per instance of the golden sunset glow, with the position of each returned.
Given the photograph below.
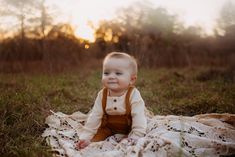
(85, 15)
(85, 32)
(191, 12)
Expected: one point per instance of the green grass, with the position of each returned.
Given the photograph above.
(25, 100)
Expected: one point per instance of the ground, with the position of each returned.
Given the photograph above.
(26, 99)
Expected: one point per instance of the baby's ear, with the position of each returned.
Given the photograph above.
(133, 79)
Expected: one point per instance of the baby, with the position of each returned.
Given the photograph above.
(119, 107)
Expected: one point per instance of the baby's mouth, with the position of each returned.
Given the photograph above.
(112, 82)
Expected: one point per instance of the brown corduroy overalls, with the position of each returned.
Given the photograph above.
(114, 124)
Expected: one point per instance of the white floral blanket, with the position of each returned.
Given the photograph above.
(207, 135)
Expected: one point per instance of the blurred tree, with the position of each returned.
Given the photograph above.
(109, 32)
(19, 9)
(59, 30)
(226, 22)
(227, 16)
(34, 20)
(63, 44)
(22, 10)
(43, 23)
(142, 30)
(149, 31)
(192, 43)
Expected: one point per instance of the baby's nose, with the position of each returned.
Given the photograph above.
(112, 75)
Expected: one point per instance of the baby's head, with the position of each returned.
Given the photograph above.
(129, 60)
(119, 71)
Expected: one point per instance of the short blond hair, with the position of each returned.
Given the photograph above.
(123, 55)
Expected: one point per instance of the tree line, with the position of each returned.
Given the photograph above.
(155, 37)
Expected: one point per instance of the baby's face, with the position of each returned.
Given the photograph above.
(117, 74)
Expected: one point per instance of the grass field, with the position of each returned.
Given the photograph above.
(25, 100)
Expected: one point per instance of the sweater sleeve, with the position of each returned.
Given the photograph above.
(94, 119)
(139, 121)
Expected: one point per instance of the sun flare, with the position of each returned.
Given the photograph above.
(85, 32)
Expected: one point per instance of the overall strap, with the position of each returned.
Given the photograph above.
(127, 100)
(104, 99)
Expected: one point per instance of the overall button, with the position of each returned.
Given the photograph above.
(115, 100)
(115, 108)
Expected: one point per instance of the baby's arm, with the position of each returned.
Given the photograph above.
(139, 121)
(93, 121)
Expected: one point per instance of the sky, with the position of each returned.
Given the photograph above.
(79, 13)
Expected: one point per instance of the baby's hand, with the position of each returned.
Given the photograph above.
(81, 144)
(128, 140)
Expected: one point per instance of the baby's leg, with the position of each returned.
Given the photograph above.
(101, 134)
